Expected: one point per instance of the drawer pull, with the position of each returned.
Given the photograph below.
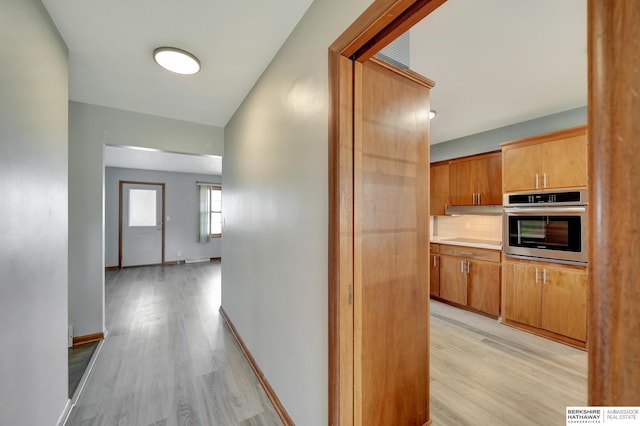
(464, 253)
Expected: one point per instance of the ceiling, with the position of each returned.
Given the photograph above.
(500, 62)
(495, 62)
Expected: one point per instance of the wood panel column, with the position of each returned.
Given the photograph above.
(614, 162)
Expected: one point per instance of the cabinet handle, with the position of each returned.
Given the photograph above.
(544, 180)
(464, 253)
(462, 266)
(468, 267)
(479, 202)
(473, 198)
(536, 275)
(544, 276)
(434, 261)
(537, 180)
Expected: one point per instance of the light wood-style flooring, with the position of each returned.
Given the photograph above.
(169, 359)
(485, 373)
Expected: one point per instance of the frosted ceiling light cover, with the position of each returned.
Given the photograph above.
(176, 60)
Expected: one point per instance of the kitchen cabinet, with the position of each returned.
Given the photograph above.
(551, 161)
(439, 185)
(434, 269)
(476, 180)
(453, 283)
(471, 277)
(548, 297)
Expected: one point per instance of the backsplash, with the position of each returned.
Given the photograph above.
(480, 227)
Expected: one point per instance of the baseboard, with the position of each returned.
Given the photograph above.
(87, 338)
(83, 381)
(62, 420)
(215, 258)
(111, 268)
(271, 394)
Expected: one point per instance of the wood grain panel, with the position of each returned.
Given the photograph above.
(564, 301)
(523, 295)
(614, 250)
(341, 244)
(489, 179)
(439, 198)
(564, 162)
(519, 167)
(453, 280)
(484, 286)
(462, 182)
(391, 273)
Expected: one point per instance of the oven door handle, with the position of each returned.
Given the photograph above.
(542, 210)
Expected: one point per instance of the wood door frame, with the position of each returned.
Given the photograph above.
(379, 25)
(120, 213)
(613, 133)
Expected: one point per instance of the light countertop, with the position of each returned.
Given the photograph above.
(469, 242)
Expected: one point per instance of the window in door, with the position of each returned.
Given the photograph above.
(142, 207)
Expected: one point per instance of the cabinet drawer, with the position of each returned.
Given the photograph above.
(434, 248)
(471, 252)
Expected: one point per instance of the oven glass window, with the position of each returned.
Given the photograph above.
(545, 232)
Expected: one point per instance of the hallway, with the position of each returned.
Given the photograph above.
(169, 359)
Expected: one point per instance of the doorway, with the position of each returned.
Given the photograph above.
(141, 225)
(613, 21)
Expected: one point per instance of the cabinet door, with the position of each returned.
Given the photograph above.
(564, 301)
(462, 183)
(520, 166)
(564, 163)
(434, 277)
(453, 280)
(489, 179)
(439, 189)
(484, 286)
(523, 295)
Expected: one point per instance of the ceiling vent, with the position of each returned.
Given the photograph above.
(397, 52)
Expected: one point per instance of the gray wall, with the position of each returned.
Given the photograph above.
(33, 216)
(491, 140)
(275, 242)
(91, 127)
(181, 205)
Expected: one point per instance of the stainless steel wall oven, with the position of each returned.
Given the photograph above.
(547, 226)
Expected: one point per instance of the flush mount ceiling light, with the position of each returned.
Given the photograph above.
(176, 60)
(432, 114)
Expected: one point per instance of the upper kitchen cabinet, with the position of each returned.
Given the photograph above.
(476, 180)
(439, 199)
(551, 161)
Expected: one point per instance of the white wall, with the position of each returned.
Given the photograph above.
(90, 128)
(275, 242)
(181, 206)
(33, 216)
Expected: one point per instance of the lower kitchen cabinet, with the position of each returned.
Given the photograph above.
(549, 297)
(434, 269)
(471, 277)
(453, 279)
(483, 292)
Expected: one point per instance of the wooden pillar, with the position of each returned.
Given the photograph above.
(614, 161)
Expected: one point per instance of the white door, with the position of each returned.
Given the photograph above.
(142, 225)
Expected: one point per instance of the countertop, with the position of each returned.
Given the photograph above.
(469, 242)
